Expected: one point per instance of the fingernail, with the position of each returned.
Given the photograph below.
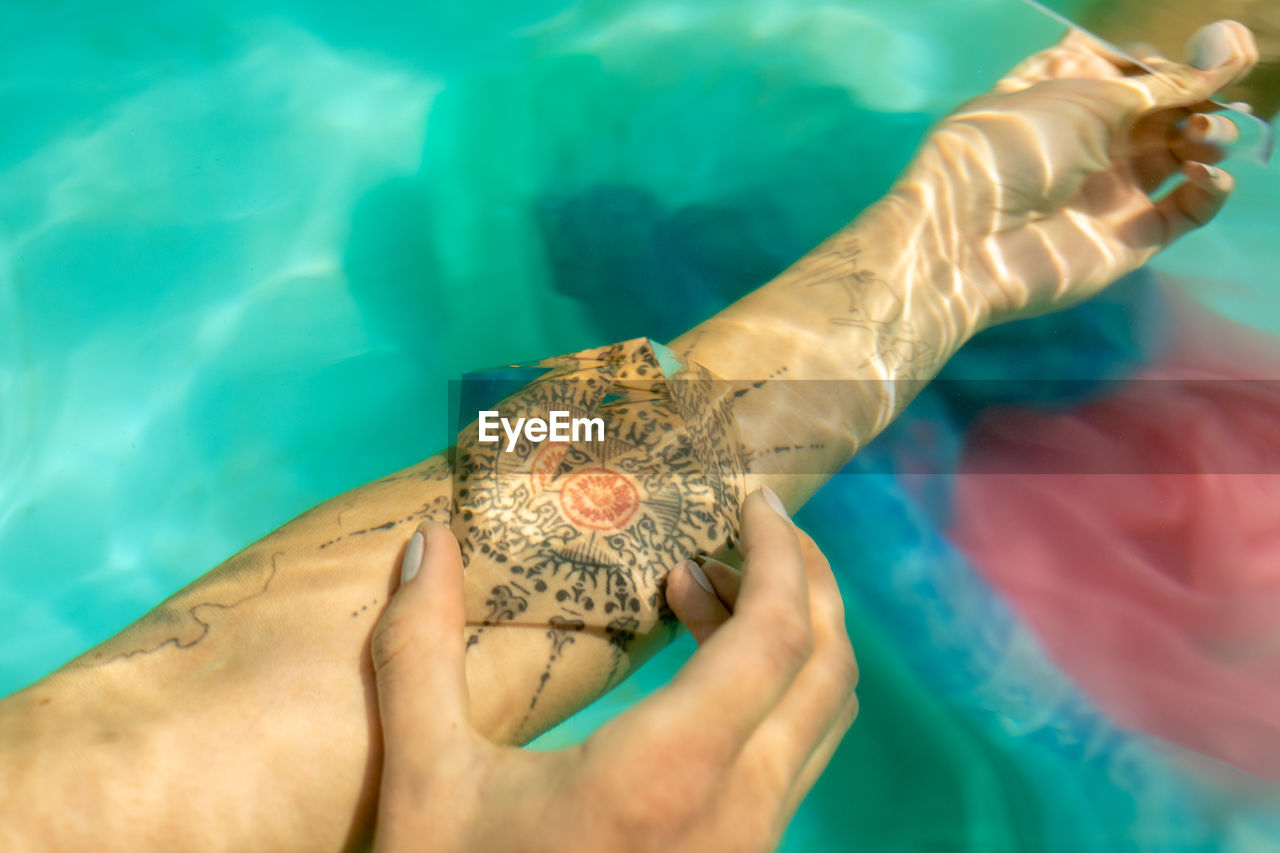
(1211, 129)
(699, 577)
(412, 557)
(772, 500)
(1218, 180)
(1221, 181)
(1211, 46)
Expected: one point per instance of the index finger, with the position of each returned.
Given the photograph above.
(741, 673)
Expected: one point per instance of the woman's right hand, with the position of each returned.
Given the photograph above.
(717, 760)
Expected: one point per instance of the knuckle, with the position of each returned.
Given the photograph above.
(812, 553)
(649, 816)
(792, 639)
(1176, 84)
(844, 665)
(847, 715)
(389, 641)
(771, 773)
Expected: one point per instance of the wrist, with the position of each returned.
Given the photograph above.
(892, 292)
(926, 240)
(871, 314)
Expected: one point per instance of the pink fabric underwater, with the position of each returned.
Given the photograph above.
(1139, 537)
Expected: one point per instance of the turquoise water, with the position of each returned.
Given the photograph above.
(244, 246)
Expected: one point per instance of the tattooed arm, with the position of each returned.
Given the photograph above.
(241, 713)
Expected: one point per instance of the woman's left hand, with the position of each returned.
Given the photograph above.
(717, 760)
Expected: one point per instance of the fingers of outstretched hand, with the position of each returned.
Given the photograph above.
(1218, 55)
(1188, 206)
(1162, 141)
(1209, 129)
(1153, 147)
(739, 674)
(1203, 137)
(418, 646)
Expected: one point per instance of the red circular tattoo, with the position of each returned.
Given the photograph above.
(546, 463)
(599, 499)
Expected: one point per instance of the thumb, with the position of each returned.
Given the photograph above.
(418, 647)
(1219, 54)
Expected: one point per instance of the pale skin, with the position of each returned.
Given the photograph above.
(747, 726)
(243, 712)
(1162, 25)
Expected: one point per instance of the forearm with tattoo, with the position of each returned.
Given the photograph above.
(214, 695)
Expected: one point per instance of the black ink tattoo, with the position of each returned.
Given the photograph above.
(580, 536)
(436, 509)
(874, 305)
(182, 620)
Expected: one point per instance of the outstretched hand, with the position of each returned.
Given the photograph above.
(1042, 185)
(717, 760)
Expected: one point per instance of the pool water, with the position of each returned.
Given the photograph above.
(244, 247)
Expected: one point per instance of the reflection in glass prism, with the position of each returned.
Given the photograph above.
(577, 529)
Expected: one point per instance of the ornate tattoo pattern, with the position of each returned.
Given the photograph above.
(579, 536)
